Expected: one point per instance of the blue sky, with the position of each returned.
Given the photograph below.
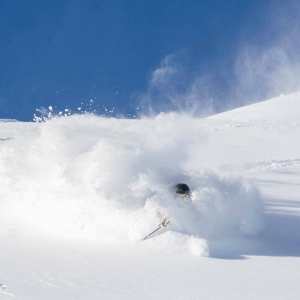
(65, 52)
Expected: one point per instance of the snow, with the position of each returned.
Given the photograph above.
(78, 193)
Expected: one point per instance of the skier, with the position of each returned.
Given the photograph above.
(182, 192)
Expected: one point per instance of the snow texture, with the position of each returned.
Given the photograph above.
(78, 193)
(112, 181)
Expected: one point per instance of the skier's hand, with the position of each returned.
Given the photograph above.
(165, 222)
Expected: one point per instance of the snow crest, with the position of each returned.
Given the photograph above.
(111, 181)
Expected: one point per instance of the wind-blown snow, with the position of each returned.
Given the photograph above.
(111, 180)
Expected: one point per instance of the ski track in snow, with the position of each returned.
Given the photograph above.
(276, 165)
(3, 139)
(5, 293)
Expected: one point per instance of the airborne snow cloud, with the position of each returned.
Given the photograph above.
(257, 69)
(108, 180)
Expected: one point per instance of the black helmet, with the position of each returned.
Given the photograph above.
(182, 189)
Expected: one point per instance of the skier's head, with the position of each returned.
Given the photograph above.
(182, 190)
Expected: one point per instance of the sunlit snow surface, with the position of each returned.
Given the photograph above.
(88, 182)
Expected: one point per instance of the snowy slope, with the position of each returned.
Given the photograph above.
(78, 193)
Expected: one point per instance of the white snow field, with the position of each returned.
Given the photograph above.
(78, 193)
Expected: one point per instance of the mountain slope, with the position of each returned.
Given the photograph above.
(78, 193)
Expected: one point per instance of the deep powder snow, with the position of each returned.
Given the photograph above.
(110, 181)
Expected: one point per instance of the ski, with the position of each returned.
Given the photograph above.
(159, 229)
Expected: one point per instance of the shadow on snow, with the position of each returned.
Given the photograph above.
(280, 237)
